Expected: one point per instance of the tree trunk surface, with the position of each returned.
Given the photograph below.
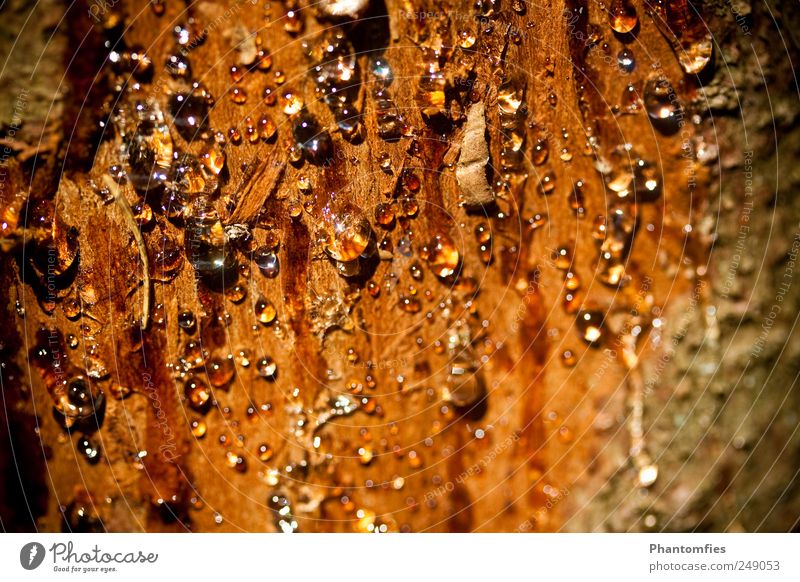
(475, 367)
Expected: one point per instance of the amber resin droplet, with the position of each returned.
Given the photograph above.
(622, 16)
(662, 105)
(197, 393)
(346, 234)
(442, 255)
(265, 311)
(589, 324)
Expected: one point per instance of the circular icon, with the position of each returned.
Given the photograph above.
(31, 555)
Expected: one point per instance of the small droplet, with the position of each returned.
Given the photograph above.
(541, 149)
(236, 293)
(236, 461)
(647, 475)
(626, 60)
(178, 66)
(537, 221)
(263, 60)
(314, 141)
(264, 452)
(590, 326)
(187, 321)
(576, 198)
(292, 103)
(293, 21)
(410, 304)
(547, 184)
(194, 355)
(466, 39)
(198, 428)
(304, 184)
(409, 207)
(267, 128)
(89, 449)
(267, 368)
(385, 162)
(571, 281)
(265, 311)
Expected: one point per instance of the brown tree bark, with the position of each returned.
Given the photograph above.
(679, 414)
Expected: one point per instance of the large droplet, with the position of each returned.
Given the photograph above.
(220, 372)
(622, 16)
(346, 234)
(465, 387)
(442, 255)
(662, 105)
(388, 116)
(267, 261)
(314, 141)
(432, 85)
(190, 110)
(56, 249)
(687, 33)
(267, 368)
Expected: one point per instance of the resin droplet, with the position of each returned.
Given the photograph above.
(626, 61)
(622, 16)
(590, 326)
(267, 368)
(149, 152)
(264, 452)
(464, 384)
(686, 31)
(190, 111)
(220, 372)
(314, 141)
(265, 311)
(267, 261)
(347, 232)
(197, 393)
(442, 255)
(662, 105)
(206, 247)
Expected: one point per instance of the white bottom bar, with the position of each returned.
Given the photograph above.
(353, 557)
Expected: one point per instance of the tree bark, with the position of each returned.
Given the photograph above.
(680, 416)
